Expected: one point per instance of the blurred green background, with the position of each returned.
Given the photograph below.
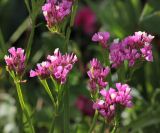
(121, 18)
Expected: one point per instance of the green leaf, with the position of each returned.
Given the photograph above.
(149, 117)
(2, 42)
(20, 30)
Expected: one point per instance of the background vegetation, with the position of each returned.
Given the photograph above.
(120, 18)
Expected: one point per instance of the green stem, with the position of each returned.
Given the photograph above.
(45, 85)
(66, 110)
(53, 124)
(114, 129)
(107, 63)
(30, 41)
(55, 83)
(23, 106)
(103, 127)
(93, 122)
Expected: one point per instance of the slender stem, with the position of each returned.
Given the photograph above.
(66, 110)
(30, 41)
(103, 127)
(93, 122)
(114, 129)
(23, 106)
(55, 83)
(107, 63)
(53, 124)
(56, 108)
(45, 84)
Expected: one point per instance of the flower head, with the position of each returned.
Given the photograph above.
(97, 75)
(124, 95)
(101, 37)
(55, 11)
(107, 106)
(61, 65)
(84, 104)
(42, 70)
(86, 19)
(57, 65)
(16, 60)
(132, 48)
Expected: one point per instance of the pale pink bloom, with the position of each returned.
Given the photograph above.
(57, 65)
(102, 38)
(86, 19)
(97, 74)
(55, 11)
(132, 48)
(16, 60)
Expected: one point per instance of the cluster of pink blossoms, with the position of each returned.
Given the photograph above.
(131, 49)
(86, 20)
(57, 65)
(55, 11)
(97, 75)
(102, 38)
(112, 98)
(16, 60)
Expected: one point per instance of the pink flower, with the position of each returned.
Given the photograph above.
(16, 60)
(55, 11)
(97, 75)
(132, 48)
(84, 104)
(105, 109)
(107, 106)
(42, 70)
(58, 66)
(102, 38)
(86, 19)
(124, 95)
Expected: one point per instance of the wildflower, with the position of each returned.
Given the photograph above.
(105, 109)
(55, 11)
(57, 65)
(84, 104)
(111, 98)
(16, 60)
(116, 54)
(123, 95)
(42, 70)
(97, 75)
(132, 48)
(86, 19)
(102, 38)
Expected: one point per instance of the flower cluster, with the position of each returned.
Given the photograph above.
(57, 65)
(55, 11)
(84, 104)
(97, 75)
(86, 20)
(131, 49)
(102, 38)
(112, 98)
(16, 60)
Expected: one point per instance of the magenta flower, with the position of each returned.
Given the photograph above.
(42, 70)
(84, 104)
(105, 109)
(61, 65)
(132, 48)
(86, 19)
(16, 60)
(102, 38)
(124, 95)
(107, 106)
(58, 66)
(55, 11)
(97, 75)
